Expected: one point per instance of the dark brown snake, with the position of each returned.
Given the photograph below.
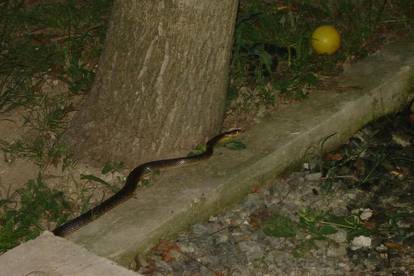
(131, 184)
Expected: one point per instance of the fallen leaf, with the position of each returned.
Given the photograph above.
(360, 166)
(334, 156)
(393, 245)
(370, 225)
(164, 248)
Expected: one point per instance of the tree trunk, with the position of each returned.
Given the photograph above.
(161, 83)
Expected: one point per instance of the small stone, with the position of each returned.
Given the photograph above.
(336, 251)
(203, 271)
(163, 267)
(252, 250)
(361, 242)
(244, 215)
(236, 233)
(381, 248)
(339, 237)
(199, 229)
(366, 214)
(356, 211)
(222, 238)
(140, 261)
(401, 139)
(313, 176)
(261, 112)
(176, 255)
(187, 248)
(344, 266)
(351, 196)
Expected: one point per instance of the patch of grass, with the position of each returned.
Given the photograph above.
(235, 145)
(47, 121)
(316, 225)
(54, 40)
(272, 50)
(390, 227)
(362, 23)
(391, 224)
(267, 38)
(42, 43)
(111, 167)
(22, 216)
(355, 164)
(25, 213)
(279, 226)
(60, 39)
(319, 225)
(99, 180)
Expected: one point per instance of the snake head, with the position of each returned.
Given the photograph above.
(230, 134)
(233, 132)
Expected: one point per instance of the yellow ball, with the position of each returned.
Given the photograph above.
(326, 40)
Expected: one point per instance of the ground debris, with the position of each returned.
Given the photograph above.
(346, 213)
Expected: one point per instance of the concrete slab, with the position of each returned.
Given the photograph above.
(53, 256)
(178, 197)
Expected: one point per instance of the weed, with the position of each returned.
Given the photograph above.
(62, 41)
(57, 40)
(265, 38)
(44, 145)
(96, 179)
(54, 39)
(315, 225)
(23, 221)
(111, 167)
(279, 226)
(272, 48)
(321, 224)
(354, 163)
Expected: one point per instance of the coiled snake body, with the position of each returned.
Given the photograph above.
(131, 183)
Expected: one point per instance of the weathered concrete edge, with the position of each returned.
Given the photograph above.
(375, 103)
(50, 255)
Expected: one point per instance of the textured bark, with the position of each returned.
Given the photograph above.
(161, 84)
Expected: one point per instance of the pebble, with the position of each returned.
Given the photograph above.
(231, 245)
(252, 250)
(366, 214)
(339, 237)
(313, 176)
(360, 242)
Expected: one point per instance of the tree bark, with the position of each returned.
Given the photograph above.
(161, 84)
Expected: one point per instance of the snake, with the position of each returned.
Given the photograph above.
(131, 183)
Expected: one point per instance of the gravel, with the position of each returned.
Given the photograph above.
(279, 229)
